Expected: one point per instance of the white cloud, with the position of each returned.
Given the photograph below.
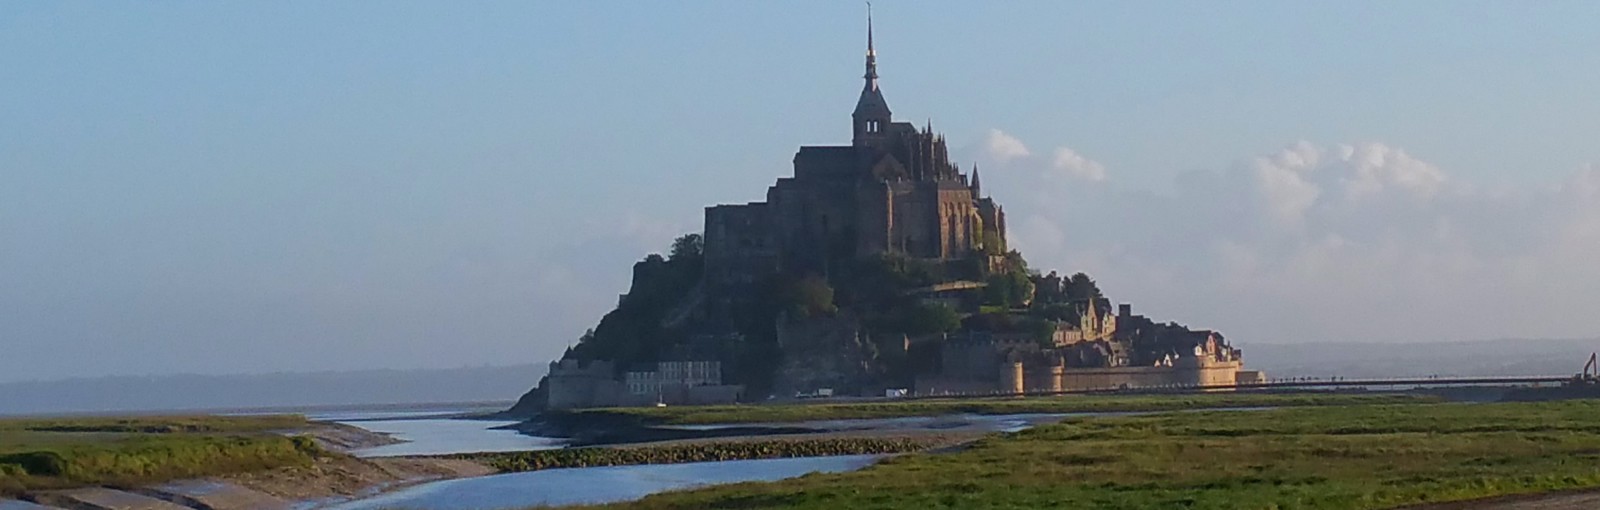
(1328, 243)
(1282, 182)
(1003, 147)
(1078, 167)
(1375, 167)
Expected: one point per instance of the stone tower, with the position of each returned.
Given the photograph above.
(892, 191)
(871, 118)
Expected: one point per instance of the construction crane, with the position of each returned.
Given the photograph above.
(1591, 371)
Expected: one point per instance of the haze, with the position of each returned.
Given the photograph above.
(295, 186)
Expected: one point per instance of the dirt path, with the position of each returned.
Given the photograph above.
(1574, 500)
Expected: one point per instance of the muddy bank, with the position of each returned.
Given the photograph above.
(342, 477)
(339, 478)
(338, 437)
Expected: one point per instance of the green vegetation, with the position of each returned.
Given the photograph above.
(1068, 404)
(701, 452)
(919, 319)
(809, 297)
(52, 453)
(636, 331)
(1355, 457)
(653, 319)
(1012, 287)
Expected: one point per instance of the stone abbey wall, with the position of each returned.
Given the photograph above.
(573, 384)
(1218, 373)
(739, 246)
(1016, 377)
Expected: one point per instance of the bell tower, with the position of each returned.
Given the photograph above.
(871, 118)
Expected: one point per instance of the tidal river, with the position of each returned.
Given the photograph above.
(434, 433)
(431, 435)
(556, 487)
(447, 436)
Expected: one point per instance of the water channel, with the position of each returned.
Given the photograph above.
(556, 487)
(441, 434)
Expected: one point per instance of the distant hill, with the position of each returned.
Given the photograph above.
(1505, 357)
(309, 389)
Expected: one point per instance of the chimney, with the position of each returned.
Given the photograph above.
(1124, 311)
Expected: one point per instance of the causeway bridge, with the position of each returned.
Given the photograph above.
(1334, 383)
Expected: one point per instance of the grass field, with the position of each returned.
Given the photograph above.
(1343, 457)
(695, 415)
(51, 453)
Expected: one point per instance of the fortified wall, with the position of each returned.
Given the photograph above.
(1100, 351)
(573, 385)
(1020, 377)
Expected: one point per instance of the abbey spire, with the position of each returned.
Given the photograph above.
(872, 55)
(871, 116)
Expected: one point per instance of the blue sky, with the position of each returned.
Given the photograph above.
(228, 187)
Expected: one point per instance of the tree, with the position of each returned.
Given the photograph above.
(990, 321)
(810, 297)
(1080, 288)
(687, 246)
(925, 319)
(1043, 331)
(1009, 289)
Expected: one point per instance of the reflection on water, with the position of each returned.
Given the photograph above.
(435, 436)
(598, 484)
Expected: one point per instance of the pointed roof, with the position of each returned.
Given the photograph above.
(977, 188)
(871, 102)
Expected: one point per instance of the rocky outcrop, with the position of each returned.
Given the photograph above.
(823, 352)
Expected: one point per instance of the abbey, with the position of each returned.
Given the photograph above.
(878, 267)
(893, 190)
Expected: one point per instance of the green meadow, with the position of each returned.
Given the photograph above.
(1364, 456)
(66, 452)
